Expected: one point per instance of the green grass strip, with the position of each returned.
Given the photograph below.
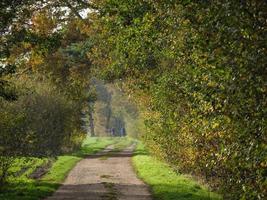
(164, 182)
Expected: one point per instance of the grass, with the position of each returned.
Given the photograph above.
(123, 143)
(24, 188)
(165, 183)
(25, 166)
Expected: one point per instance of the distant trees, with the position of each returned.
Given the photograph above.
(114, 113)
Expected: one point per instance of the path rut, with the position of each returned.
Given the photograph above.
(104, 176)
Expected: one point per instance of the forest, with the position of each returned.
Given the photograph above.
(196, 71)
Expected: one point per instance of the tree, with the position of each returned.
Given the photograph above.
(199, 68)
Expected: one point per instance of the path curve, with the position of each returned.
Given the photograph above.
(104, 176)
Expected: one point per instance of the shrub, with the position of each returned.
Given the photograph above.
(39, 123)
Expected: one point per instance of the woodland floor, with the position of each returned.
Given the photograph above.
(107, 175)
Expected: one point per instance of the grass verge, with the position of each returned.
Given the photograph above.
(164, 182)
(24, 188)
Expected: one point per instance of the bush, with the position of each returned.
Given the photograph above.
(39, 123)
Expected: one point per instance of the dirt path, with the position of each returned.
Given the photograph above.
(105, 176)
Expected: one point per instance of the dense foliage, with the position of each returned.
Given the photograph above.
(199, 67)
(40, 123)
(44, 78)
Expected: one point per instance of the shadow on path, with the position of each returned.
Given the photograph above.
(114, 154)
(102, 191)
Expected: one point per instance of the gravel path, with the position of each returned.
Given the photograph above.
(104, 176)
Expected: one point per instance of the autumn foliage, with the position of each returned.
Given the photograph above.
(198, 68)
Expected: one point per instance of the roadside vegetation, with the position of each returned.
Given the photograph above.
(197, 70)
(165, 182)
